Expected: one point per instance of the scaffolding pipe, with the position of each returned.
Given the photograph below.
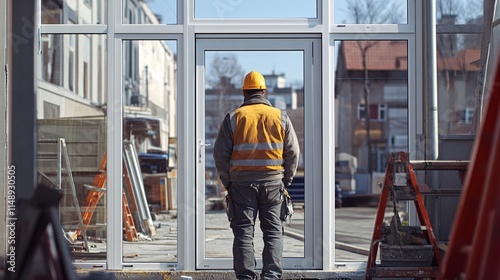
(489, 15)
(134, 171)
(430, 79)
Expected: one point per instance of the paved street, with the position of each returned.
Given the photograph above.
(354, 228)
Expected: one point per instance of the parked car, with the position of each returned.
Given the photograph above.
(296, 191)
(153, 162)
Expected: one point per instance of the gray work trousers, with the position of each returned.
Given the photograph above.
(246, 202)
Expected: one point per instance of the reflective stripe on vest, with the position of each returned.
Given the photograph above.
(258, 135)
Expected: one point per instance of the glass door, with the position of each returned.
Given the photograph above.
(292, 76)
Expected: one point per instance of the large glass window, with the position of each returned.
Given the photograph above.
(370, 12)
(254, 9)
(71, 119)
(149, 151)
(371, 80)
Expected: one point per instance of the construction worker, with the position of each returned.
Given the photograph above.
(256, 154)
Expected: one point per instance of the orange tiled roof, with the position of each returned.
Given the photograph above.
(393, 55)
(462, 61)
(381, 55)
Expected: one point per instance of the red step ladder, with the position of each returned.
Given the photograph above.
(399, 174)
(130, 232)
(95, 193)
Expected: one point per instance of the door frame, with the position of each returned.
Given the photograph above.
(313, 219)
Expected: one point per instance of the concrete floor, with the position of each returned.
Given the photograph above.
(353, 235)
(354, 226)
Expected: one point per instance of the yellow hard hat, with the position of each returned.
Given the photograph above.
(254, 80)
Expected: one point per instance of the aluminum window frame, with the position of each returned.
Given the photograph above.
(414, 112)
(377, 28)
(312, 227)
(185, 32)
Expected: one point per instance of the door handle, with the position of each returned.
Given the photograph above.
(201, 145)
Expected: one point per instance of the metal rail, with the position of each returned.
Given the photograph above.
(440, 164)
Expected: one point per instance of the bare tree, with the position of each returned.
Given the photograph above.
(224, 69)
(224, 72)
(373, 12)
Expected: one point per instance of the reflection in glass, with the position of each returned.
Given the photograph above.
(150, 12)
(224, 76)
(458, 71)
(467, 12)
(150, 141)
(371, 93)
(255, 9)
(371, 12)
(72, 136)
(78, 12)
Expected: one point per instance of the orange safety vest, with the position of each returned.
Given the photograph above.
(258, 135)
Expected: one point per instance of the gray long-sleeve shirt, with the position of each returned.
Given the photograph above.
(223, 149)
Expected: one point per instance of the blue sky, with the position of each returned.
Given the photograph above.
(255, 8)
(238, 8)
(289, 63)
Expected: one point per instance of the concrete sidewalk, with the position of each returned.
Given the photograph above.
(354, 227)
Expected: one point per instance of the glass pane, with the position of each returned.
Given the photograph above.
(149, 154)
(283, 72)
(72, 136)
(459, 12)
(371, 12)
(254, 9)
(373, 73)
(150, 12)
(78, 12)
(458, 69)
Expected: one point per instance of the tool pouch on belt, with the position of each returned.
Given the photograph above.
(286, 206)
(229, 203)
(229, 207)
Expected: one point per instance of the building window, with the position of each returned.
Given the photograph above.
(51, 111)
(71, 72)
(86, 80)
(398, 142)
(466, 115)
(72, 63)
(377, 112)
(51, 59)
